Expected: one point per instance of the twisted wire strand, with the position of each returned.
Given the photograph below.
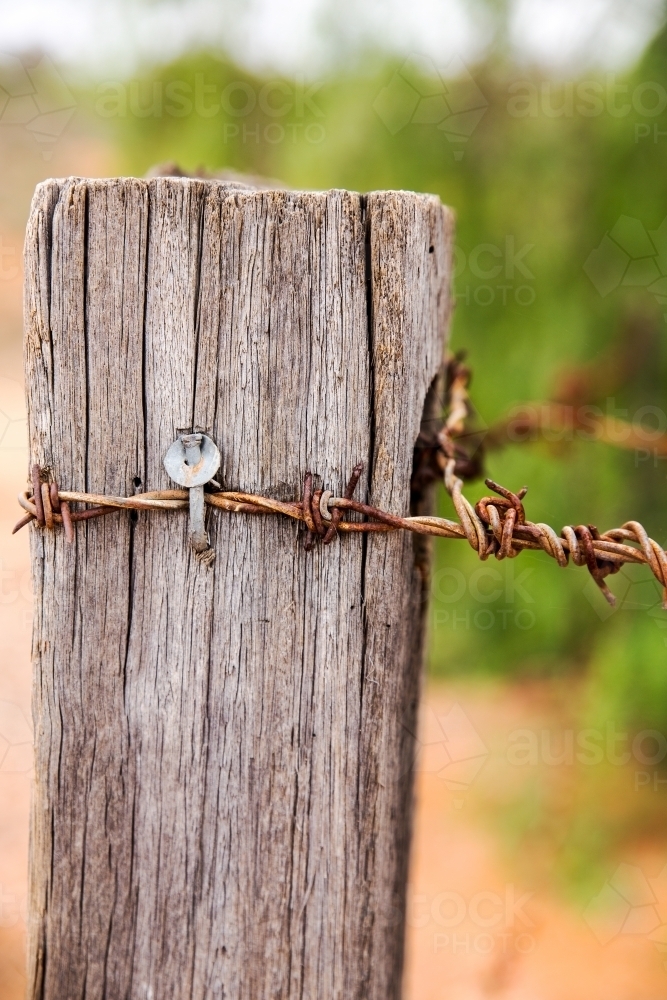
(495, 525)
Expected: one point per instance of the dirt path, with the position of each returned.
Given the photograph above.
(475, 929)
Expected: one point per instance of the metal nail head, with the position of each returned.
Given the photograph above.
(192, 461)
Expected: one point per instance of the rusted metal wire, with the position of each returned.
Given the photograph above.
(495, 526)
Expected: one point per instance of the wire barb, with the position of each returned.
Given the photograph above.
(495, 525)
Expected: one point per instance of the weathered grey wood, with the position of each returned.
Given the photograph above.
(222, 801)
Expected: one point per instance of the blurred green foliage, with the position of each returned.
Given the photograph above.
(538, 173)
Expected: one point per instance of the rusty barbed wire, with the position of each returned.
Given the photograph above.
(495, 526)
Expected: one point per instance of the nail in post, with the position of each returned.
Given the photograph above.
(192, 461)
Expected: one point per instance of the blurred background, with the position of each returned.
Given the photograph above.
(540, 855)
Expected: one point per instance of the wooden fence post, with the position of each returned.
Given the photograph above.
(222, 799)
